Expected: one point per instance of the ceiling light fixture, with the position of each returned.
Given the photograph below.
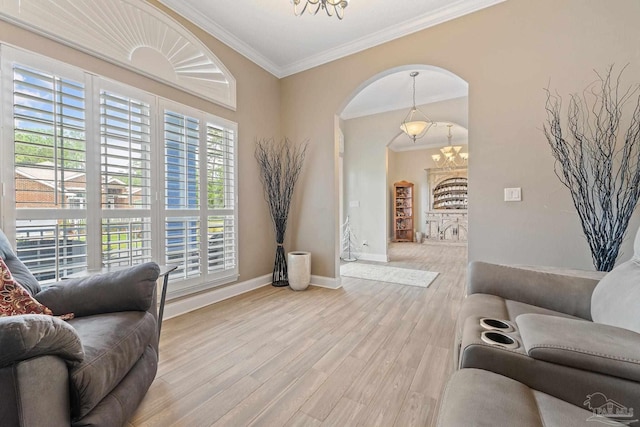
(332, 7)
(416, 123)
(451, 156)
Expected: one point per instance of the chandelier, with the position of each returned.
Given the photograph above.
(416, 123)
(332, 7)
(451, 156)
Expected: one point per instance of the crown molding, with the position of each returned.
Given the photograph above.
(211, 27)
(451, 11)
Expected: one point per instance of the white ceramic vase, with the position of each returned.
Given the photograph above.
(299, 270)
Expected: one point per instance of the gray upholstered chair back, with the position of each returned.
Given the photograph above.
(616, 299)
(16, 267)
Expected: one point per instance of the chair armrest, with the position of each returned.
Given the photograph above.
(560, 290)
(131, 289)
(31, 335)
(581, 344)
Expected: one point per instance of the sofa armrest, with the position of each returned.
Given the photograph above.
(31, 335)
(580, 344)
(131, 289)
(35, 393)
(565, 291)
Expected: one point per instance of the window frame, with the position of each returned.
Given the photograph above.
(226, 276)
(93, 210)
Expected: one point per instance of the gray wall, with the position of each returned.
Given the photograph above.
(507, 53)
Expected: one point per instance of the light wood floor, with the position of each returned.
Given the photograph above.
(370, 354)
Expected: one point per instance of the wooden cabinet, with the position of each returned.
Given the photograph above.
(403, 211)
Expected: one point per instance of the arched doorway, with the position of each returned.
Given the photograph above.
(373, 151)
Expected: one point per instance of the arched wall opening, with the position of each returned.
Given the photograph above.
(370, 146)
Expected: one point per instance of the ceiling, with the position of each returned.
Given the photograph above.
(268, 33)
(394, 91)
(437, 136)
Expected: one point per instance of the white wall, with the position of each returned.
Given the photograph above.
(365, 183)
(370, 170)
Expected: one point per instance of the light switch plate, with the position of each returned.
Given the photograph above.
(354, 204)
(513, 194)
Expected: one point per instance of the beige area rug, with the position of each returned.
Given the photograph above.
(383, 273)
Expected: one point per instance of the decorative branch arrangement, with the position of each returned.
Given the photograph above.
(280, 165)
(349, 243)
(597, 163)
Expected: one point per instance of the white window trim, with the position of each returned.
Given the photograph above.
(138, 43)
(93, 85)
(194, 285)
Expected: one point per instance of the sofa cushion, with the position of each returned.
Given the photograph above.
(474, 397)
(132, 288)
(32, 335)
(581, 344)
(615, 300)
(113, 343)
(18, 269)
(14, 299)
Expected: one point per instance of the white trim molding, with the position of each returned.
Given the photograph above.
(373, 257)
(185, 305)
(132, 34)
(453, 10)
(326, 282)
(210, 26)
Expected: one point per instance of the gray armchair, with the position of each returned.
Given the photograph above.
(90, 371)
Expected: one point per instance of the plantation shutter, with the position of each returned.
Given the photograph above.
(50, 172)
(125, 179)
(107, 175)
(182, 201)
(200, 198)
(221, 241)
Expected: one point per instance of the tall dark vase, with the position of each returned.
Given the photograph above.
(280, 166)
(279, 278)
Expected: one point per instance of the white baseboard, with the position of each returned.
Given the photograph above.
(185, 305)
(373, 257)
(326, 282)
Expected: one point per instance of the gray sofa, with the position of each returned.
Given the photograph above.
(90, 371)
(564, 335)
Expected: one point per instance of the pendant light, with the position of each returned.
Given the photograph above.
(416, 123)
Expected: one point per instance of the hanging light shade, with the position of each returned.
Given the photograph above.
(451, 156)
(416, 123)
(332, 7)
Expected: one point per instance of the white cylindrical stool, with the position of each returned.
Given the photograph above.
(299, 270)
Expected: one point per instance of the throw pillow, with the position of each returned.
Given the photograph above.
(14, 299)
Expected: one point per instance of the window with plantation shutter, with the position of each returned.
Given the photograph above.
(125, 179)
(182, 199)
(105, 175)
(221, 242)
(49, 133)
(200, 217)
